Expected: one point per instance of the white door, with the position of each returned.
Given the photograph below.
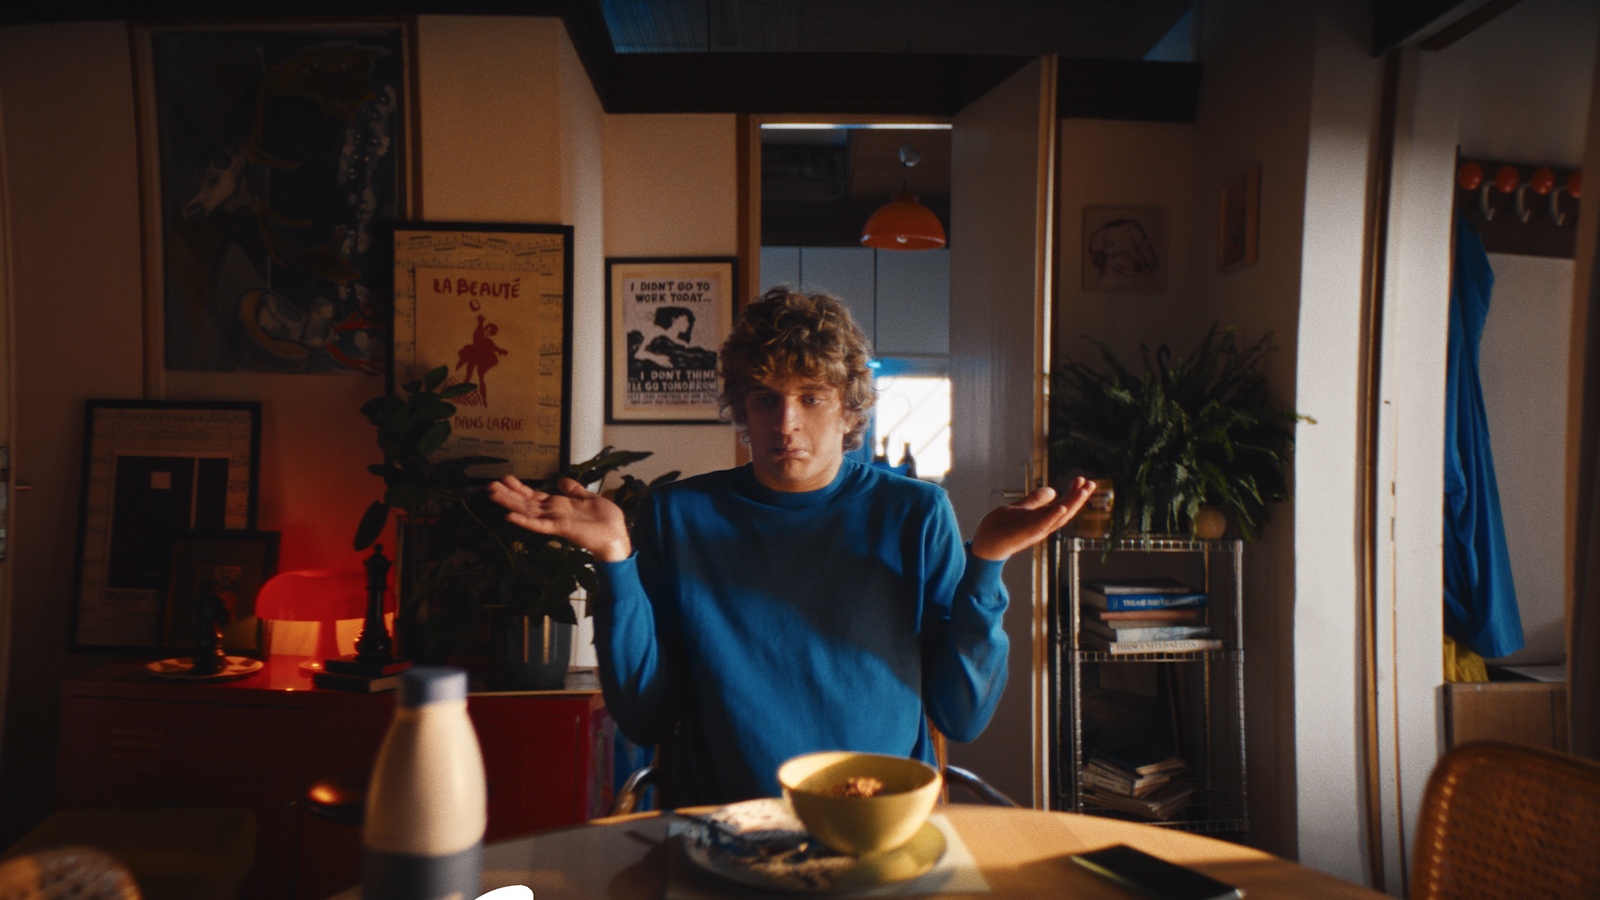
(1002, 159)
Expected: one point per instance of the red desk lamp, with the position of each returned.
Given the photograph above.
(323, 596)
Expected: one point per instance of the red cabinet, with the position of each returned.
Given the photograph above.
(130, 741)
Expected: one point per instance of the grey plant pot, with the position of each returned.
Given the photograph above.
(530, 654)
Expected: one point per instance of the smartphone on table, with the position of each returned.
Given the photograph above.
(1153, 876)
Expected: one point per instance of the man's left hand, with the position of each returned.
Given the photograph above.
(1017, 526)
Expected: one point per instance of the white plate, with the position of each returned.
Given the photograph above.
(796, 863)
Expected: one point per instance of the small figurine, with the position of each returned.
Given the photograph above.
(210, 657)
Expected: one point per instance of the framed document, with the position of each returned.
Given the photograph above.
(153, 473)
(270, 154)
(665, 321)
(493, 304)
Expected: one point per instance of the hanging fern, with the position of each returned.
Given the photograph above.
(1185, 432)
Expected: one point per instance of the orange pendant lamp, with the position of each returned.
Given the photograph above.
(903, 223)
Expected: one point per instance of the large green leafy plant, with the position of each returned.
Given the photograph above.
(1187, 431)
(459, 555)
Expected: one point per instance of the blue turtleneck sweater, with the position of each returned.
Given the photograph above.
(765, 624)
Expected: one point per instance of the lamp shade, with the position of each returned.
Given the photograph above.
(316, 595)
(903, 224)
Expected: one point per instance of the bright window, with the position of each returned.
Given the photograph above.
(914, 410)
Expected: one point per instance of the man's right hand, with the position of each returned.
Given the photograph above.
(578, 515)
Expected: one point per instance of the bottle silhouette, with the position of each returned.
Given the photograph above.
(423, 834)
(881, 458)
(908, 464)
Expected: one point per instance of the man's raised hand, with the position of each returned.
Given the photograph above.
(1017, 526)
(576, 514)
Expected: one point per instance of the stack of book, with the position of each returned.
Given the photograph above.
(1138, 780)
(1145, 615)
(350, 674)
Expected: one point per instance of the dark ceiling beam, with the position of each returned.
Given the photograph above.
(801, 83)
(1467, 24)
(1396, 23)
(1127, 89)
(264, 10)
(916, 84)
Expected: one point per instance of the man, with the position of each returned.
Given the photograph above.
(804, 601)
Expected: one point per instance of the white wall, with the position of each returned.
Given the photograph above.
(1127, 164)
(1255, 107)
(73, 189)
(1341, 105)
(1524, 371)
(1523, 96)
(1516, 89)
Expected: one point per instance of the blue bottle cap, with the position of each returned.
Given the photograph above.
(422, 685)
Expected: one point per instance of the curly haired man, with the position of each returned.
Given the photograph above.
(801, 602)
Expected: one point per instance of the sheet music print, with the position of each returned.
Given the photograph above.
(117, 608)
(490, 307)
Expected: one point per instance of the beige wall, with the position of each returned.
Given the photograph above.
(670, 191)
(511, 131)
(74, 209)
(1128, 164)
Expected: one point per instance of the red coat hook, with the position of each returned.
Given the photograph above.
(1574, 188)
(1505, 181)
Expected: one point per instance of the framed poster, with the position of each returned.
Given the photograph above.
(154, 471)
(218, 574)
(493, 304)
(271, 156)
(1124, 249)
(665, 321)
(1238, 220)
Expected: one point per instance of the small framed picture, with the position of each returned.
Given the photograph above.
(1238, 220)
(1124, 249)
(215, 577)
(665, 321)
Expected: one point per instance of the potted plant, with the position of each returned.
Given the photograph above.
(459, 556)
(1187, 432)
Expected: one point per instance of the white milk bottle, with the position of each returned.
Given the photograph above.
(423, 834)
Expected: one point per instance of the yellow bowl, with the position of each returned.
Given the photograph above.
(860, 826)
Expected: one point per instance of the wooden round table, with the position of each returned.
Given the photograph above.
(1021, 853)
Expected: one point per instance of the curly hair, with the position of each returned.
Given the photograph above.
(786, 334)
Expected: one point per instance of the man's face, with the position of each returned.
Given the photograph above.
(797, 430)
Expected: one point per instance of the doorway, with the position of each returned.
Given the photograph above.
(998, 263)
(820, 182)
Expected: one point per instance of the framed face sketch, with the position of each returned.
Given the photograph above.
(271, 155)
(1124, 249)
(493, 304)
(666, 320)
(153, 472)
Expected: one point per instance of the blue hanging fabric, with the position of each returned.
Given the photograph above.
(1480, 598)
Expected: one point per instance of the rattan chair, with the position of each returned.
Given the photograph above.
(66, 873)
(1501, 821)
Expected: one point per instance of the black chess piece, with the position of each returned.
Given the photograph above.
(375, 645)
(210, 657)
